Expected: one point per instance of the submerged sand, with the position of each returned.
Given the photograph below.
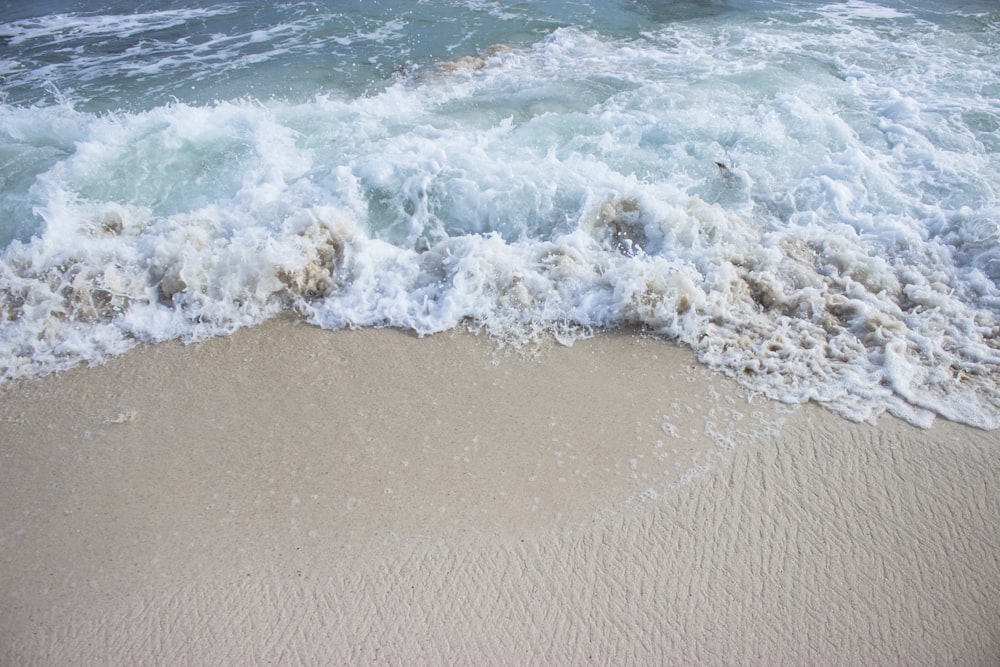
(295, 496)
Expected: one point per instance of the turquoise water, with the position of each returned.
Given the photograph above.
(804, 193)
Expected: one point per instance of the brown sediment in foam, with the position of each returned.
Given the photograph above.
(297, 495)
(619, 222)
(474, 62)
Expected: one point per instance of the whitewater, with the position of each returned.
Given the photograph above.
(806, 194)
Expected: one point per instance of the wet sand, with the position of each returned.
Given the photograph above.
(295, 496)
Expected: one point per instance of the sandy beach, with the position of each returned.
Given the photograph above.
(290, 496)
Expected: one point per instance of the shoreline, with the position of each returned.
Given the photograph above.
(309, 496)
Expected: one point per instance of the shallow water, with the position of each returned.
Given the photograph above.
(804, 193)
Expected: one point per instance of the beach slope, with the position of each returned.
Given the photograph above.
(289, 495)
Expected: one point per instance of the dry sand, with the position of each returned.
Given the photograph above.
(295, 496)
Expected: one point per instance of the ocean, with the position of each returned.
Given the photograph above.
(806, 194)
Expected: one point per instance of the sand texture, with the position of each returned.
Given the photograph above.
(295, 496)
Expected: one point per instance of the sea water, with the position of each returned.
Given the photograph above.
(805, 193)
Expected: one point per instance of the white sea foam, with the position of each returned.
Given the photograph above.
(856, 9)
(809, 220)
(61, 27)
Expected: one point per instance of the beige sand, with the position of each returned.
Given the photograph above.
(295, 496)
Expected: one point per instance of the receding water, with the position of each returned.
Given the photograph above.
(806, 194)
